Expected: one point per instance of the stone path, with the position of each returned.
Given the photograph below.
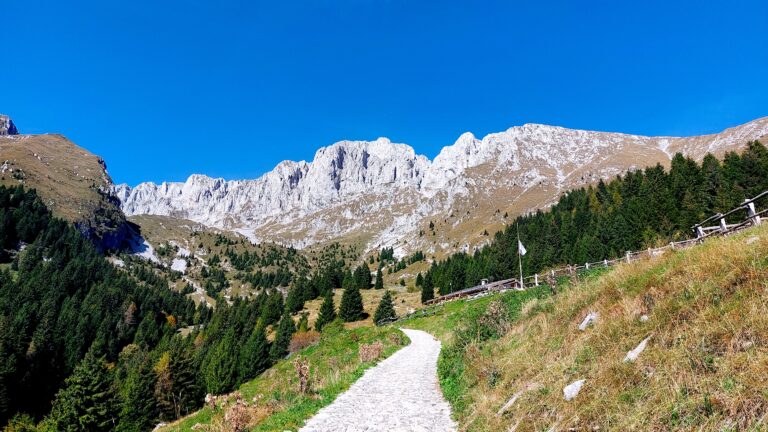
(400, 394)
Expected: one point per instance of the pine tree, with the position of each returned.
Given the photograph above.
(386, 309)
(177, 391)
(254, 356)
(427, 289)
(87, 401)
(351, 308)
(295, 300)
(283, 338)
(138, 409)
(379, 280)
(327, 312)
(419, 280)
(220, 368)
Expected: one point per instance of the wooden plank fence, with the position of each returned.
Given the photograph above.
(744, 216)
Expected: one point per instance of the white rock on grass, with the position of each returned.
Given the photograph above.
(179, 265)
(635, 353)
(572, 390)
(588, 320)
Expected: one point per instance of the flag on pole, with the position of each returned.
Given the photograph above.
(520, 248)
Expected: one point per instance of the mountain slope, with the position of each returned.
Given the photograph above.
(380, 194)
(72, 182)
(693, 320)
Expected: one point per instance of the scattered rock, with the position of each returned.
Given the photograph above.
(635, 353)
(752, 240)
(516, 396)
(588, 320)
(644, 318)
(572, 390)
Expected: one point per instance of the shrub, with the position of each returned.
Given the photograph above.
(370, 352)
(302, 340)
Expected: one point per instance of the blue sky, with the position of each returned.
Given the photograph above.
(163, 89)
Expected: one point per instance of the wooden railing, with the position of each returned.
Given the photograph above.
(702, 231)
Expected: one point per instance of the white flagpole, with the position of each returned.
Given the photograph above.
(519, 256)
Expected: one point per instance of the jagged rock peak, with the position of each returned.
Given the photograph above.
(6, 126)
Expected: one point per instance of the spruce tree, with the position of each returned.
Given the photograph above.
(427, 289)
(177, 390)
(87, 401)
(386, 309)
(220, 369)
(295, 300)
(379, 280)
(419, 280)
(254, 356)
(283, 338)
(327, 312)
(138, 409)
(351, 308)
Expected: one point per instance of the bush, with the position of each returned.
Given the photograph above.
(302, 340)
(371, 352)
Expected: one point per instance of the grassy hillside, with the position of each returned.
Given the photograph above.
(274, 400)
(704, 310)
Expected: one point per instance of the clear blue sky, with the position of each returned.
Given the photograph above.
(163, 89)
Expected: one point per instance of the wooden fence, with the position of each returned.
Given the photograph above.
(745, 215)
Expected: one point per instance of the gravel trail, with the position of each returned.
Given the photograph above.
(399, 394)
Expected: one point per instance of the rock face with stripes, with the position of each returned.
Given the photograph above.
(387, 194)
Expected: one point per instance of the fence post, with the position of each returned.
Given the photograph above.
(629, 259)
(586, 265)
(671, 245)
(536, 279)
(605, 262)
(753, 213)
(649, 252)
(723, 225)
(699, 231)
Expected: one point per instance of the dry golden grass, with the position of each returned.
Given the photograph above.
(66, 176)
(705, 368)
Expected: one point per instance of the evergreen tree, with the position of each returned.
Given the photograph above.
(87, 401)
(220, 369)
(176, 390)
(386, 309)
(283, 338)
(327, 312)
(254, 356)
(379, 280)
(273, 308)
(351, 308)
(295, 300)
(427, 289)
(138, 409)
(362, 277)
(419, 280)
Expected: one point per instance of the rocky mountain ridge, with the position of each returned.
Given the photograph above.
(6, 126)
(380, 193)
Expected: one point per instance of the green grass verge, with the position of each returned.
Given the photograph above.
(274, 395)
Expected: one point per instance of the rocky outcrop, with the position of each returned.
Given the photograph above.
(386, 191)
(6, 126)
(72, 182)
